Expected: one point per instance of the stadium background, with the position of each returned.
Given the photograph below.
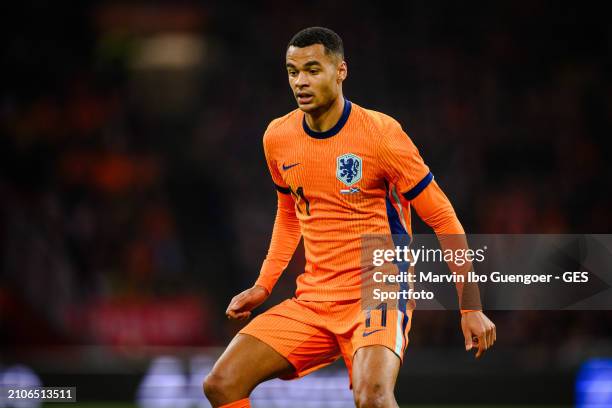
(135, 200)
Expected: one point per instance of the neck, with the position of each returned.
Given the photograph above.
(328, 117)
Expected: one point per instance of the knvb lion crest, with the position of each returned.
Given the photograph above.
(348, 168)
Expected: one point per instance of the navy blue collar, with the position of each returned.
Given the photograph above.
(335, 129)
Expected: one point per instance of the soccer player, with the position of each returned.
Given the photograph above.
(341, 171)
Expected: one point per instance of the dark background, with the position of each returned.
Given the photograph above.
(135, 200)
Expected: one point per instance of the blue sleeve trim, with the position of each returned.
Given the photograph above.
(416, 190)
(284, 190)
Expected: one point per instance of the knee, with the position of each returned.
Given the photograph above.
(374, 396)
(217, 387)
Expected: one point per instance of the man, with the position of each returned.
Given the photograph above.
(341, 171)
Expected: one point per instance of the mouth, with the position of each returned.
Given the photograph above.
(304, 98)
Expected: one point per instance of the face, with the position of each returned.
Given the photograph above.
(315, 77)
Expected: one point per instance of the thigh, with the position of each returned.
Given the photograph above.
(249, 361)
(375, 368)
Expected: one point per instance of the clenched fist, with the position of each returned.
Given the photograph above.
(478, 331)
(241, 305)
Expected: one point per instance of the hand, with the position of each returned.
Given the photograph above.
(241, 305)
(478, 331)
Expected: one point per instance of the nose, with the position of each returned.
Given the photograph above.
(301, 80)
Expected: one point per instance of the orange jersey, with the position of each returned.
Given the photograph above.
(357, 178)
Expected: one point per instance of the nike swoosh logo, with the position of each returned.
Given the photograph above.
(285, 168)
(366, 334)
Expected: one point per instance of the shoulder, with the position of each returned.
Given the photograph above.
(281, 125)
(384, 127)
(277, 136)
(391, 139)
(381, 121)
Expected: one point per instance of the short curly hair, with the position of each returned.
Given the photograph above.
(319, 35)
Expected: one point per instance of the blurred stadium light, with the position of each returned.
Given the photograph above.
(18, 376)
(594, 384)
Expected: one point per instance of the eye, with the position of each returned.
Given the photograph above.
(314, 71)
(292, 73)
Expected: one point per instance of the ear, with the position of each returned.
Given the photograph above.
(342, 72)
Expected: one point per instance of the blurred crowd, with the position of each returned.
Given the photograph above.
(132, 164)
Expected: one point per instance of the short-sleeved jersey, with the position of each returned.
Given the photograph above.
(357, 178)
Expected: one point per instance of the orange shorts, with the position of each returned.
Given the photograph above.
(314, 334)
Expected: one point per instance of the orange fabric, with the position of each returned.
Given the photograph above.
(243, 403)
(435, 210)
(332, 217)
(311, 335)
(286, 236)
